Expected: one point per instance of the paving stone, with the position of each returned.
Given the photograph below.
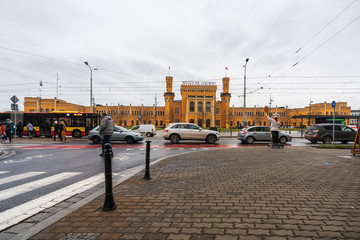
(240, 193)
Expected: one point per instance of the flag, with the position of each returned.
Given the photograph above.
(226, 68)
(169, 67)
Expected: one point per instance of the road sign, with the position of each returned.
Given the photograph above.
(14, 99)
(14, 107)
(333, 104)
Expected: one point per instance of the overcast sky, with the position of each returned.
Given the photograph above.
(133, 43)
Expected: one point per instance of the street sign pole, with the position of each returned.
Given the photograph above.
(14, 99)
(333, 104)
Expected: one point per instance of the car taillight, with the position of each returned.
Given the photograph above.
(244, 132)
(315, 131)
(166, 130)
(89, 132)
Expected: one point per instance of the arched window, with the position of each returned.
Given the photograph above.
(208, 107)
(132, 122)
(200, 107)
(125, 123)
(192, 121)
(137, 122)
(192, 106)
(200, 121)
(208, 123)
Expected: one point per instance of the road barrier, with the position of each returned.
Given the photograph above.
(147, 162)
(109, 203)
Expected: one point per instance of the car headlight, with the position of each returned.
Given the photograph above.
(139, 135)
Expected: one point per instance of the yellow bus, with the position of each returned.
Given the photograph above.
(77, 124)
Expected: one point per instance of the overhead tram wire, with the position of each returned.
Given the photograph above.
(322, 44)
(313, 37)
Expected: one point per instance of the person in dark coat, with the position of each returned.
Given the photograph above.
(20, 129)
(9, 130)
(56, 130)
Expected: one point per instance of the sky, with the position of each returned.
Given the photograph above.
(299, 51)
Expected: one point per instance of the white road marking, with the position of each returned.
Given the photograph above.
(27, 187)
(19, 177)
(28, 209)
(29, 158)
(3, 172)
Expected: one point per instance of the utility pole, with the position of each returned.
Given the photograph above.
(155, 109)
(244, 119)
(310, 113)
(91, 98)
(271, 100)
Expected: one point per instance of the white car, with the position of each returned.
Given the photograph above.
(148, 130)
(189, 131)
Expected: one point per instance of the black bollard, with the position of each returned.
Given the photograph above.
(147, 162)
(109, 203)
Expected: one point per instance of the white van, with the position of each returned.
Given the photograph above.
(148, 130)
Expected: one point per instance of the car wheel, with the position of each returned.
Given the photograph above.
(76, 134)
(148, 134)
(211, 139)
(129, 140)
(327, 140)
(313, 141)
(283, 140)
(96, 139)
(250, 140)
(174, 138)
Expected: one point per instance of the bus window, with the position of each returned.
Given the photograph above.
(78, 122)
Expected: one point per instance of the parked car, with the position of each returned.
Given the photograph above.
(324, 132)
(120, 134)
(353, 127)
(189, 131)
(148, 130)
(260, 133)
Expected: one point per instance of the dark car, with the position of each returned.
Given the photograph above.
(324, 132)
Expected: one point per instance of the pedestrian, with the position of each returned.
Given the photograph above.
(106, 130)
(56, 129)
(62, 131)
(8, 130)
(274, 128)
(30, 129)
(3, 133)
(12, 124)
(20, 129)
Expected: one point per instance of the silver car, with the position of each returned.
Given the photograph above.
(120, 134)
(189, 131)
(260, 133)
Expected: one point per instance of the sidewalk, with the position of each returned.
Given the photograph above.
(239, 193)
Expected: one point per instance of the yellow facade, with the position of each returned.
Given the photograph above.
(198, 105)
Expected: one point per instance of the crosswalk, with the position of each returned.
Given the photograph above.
(14, 215)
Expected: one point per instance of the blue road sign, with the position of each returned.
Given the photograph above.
(333, 104)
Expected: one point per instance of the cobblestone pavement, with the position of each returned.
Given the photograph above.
(240, 193)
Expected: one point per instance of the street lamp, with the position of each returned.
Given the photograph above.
(244, 121)
(91, 99)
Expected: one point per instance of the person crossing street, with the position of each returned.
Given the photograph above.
(106, 130)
